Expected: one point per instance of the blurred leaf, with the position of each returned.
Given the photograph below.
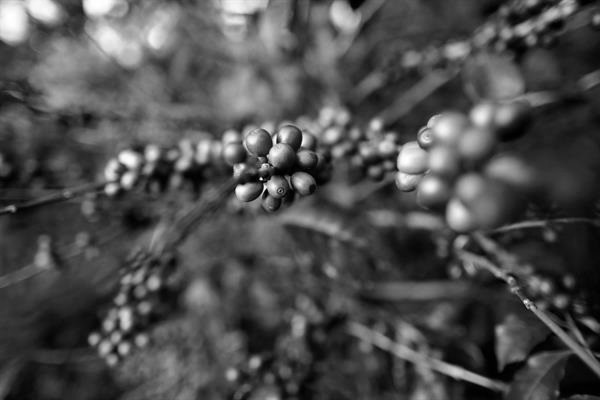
(540, 378)
(583, 397)
(492, 77)
(516, 336)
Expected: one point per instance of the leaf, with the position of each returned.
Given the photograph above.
(540, 378)
(516, 336)
(492, 77)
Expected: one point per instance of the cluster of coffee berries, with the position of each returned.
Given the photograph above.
(158, 169)
(147, 292)
(450, 165)
(555, 292)
(370, 151)
(275, 167)
(526, 23)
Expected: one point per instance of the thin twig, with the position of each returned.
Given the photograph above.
(545, 317)
(415, 95)
(59, 196)
(406, 353)
(546, 223)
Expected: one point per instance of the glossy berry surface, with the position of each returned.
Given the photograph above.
(258, 142)
(291, 135)
(282, 157)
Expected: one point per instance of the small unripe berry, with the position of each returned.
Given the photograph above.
(258, 142)
(482, 115)
(477, 145)
(309, 141)
(231, 136)
(376, 172)
(307, 159)
(469, 187)
(444, 161)
(387, 149)
(448, 128)
(247, 192)
(130, 159)
(333, 135)
(425, 138)
(433, 192)
(282, 157)
(290, 134)
(304, 184)
(277, 186)
(412, 159)
(113, 170)
(128, 180)
(407, 182)
(203, 152)
(270, 203)
(512, 120)
(234, 153)
(515, 172)
(459, 218)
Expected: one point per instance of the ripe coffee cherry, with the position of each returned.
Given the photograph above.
(282, 156)
(459, 218)
(424, 138)
(270, 203)
(513, 171)
(304, 184)
(277, 186)
(412, 159)
(307, 159)
(309, 141)
(247, 192)
(234, 153)
(407, 182)
(512, 120)
(258, 142)
(433, 192)
(244, 173)
(448, 127)
(444, 161)
(290, 134)
(477, 145)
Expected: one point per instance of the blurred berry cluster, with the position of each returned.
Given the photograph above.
(148, 291)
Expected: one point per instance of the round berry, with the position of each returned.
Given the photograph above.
(333, 135)
(407, 182)
(512, 119)
(277, 186)
(307, 159)
(309, 141)
(425, 138)
(290, 134)
(258, 142)
(270, 203)
(459, 218)
(469, 187)
(376, 172)
(282, 157)
(369, 153)
(247, 192)
(444, 161)
(477, 145)
(513, 171)
(234, 153)
(244, 173)
(448, 127)
(433, 192)
(387, 149)
(412, 159)
(482, 115)
(304, 184)
(231, 136)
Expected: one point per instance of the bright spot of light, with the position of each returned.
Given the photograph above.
(343, 17)
(103, 8)
(45, 11)
(125, 49)
(160, 32)
(243, 6)
(14, 22)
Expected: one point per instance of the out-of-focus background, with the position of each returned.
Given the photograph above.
(82, 79)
